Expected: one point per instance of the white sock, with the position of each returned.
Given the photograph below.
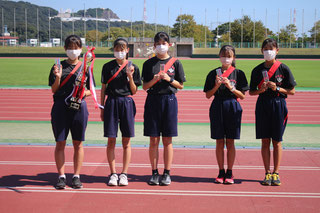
(78, 176)
(62, 176)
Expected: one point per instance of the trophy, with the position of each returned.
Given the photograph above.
(162, 68)
(265, 76)
(219, 74)
(80, 82)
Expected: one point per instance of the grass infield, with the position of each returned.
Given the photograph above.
(35, 71)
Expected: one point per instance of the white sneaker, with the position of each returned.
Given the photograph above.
(113, 180)
(123, 180)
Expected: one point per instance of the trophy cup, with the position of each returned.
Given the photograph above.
(265, 76)
(219, 74)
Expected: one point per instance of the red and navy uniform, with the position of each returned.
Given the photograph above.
(64, 119)
(225, 111)
(161, 106)
(271, 108)
(119, 106)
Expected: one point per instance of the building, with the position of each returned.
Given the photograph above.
(6, 39)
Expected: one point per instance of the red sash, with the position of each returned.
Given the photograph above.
(168, 65)
(271, 72)
(228, 71)
(117, 73)
(70, 74)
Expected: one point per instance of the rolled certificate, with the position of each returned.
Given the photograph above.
(265, 76)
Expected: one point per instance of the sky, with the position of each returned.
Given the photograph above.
(206, 12)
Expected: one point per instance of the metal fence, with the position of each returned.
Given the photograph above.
(255, 45)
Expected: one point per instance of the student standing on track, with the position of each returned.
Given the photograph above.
(226, 84)
(162, 76)
(119, 82)
(271, 109)
(63, 119)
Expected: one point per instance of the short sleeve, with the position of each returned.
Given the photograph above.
(146, 72)
(254, 81)
(52, 77)
(210, 82)
(136, 76)
(104, 74)
(289, 82)
(180, 75)
(242, 83)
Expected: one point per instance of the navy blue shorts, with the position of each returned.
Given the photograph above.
(64, 119)
(119, 110)
(225, 118)
(161, 116)
(271, 117)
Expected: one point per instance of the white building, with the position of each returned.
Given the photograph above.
(32, 42)
(55, 42)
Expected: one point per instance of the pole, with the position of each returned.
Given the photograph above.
(84, 21)
(168, 21)
(60, 31)
(14, 23)
(155, 19)
(72, 22)
(131, 25)
(266, 22)
(2, 26)
(108, 27)
(96, 27)
(180, 22)
(315, 28)
(49, 24)
(26, 19)
(229, 26)
(290, 26)
(205, 28)
(278, 25)
(254, 28)
(38, 33)
(241, 28)
(302, 28)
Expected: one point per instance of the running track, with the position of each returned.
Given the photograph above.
(35, 104)
(27, 174)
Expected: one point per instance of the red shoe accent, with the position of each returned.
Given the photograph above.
(219, 180)
(229, 181)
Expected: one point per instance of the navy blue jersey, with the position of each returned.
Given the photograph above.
(119, 86)
(237, 78)
(66, 89)
(282, 77)
(152, 67)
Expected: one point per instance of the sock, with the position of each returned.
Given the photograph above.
(229, 173)
(78, 176)
(62, 176)
(166, 172)
(221, 173)
(155, 171)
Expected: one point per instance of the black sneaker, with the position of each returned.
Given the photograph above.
(166, 180)
(61, 184)
(76, 183)
(154, 179)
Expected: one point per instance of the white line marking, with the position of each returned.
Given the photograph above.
(164, 192)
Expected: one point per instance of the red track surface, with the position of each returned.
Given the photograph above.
(32, 104)
(27, 174)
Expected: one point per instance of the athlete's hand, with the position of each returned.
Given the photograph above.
(218, 81)
(264, 87)
(226, 81)
(272, 85)
(156, 77)
(130, 72)
(102, 114)
(165, 76)
(57, 71)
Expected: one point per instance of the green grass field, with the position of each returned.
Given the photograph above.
(35, 72)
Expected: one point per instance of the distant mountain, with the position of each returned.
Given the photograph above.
(23, 8)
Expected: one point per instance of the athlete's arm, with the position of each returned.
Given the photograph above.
(133, 86)
(261, 90)
(149, 84)
(211, 92)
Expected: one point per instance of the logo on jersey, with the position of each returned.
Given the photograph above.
(279, 79)
(171, 71)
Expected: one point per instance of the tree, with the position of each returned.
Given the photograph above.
(91, 36)
(317, 34)
(188, 26)
(284, 34)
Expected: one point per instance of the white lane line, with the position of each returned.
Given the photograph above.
(136, 165)
(164, 192)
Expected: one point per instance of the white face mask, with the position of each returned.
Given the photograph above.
(73, 54)
(120, 55)
(269, 54)
(225, 60)
(162, 49)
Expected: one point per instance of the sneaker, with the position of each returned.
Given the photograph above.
(61, 184)
(113, 180)
(123, 180)
(76, 183)
(220, 178)
(228, 178)
(275, 179)
(154, 179)
(267, 180)
(166, 180)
